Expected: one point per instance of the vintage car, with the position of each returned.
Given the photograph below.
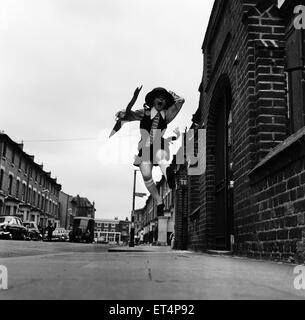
(33, 232)
(11, 228)
(60, 234)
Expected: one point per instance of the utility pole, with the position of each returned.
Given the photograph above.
(67, 205)
(131, 240)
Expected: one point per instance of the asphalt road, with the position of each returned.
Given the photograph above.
(42, 270)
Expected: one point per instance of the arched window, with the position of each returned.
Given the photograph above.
(34, 198)
(23, 192)
(10, 184)
(38, 200)
(1, 178)
(42, 202)
(17, 188)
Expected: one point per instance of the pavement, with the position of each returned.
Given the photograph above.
(42, 270)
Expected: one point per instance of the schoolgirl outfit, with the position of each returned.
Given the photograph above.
(153, 124)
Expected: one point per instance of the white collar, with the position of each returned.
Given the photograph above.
(153, 113)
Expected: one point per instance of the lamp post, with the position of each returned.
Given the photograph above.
(131, 240)
(134, 195)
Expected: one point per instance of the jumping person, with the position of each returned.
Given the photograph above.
(160, 108)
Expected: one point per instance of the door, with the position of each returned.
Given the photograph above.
(223, 176)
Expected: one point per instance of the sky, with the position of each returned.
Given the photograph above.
(66, 68)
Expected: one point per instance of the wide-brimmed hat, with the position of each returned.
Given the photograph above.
(149, 99)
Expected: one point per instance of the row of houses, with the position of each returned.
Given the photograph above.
(248, 195)
(31, 193)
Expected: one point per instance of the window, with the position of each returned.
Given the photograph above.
(34, 198)
(112, 230)
(10, 184)
(13, 156)
(4, 149)
(112, 225)
(105, 225)
(29, 195)
(1, 178)
(38, 200)
(42, 202)
(23, 192)
(17, 188)
(295, 52)
(20, 162)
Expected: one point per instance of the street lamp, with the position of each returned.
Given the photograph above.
(134, 195)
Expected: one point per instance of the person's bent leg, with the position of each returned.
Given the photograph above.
(166, 168)
(146, 170)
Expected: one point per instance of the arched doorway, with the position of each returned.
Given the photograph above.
(219, 160)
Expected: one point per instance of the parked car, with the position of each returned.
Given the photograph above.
(60, 234)
(11, 228)
(33, 232)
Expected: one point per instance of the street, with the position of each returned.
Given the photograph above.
(43, 270)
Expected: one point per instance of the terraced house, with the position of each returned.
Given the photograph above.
(26, 190)
(251, 198)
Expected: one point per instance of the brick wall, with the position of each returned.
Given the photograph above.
(276, 221)
(181, 209)
(247, 69)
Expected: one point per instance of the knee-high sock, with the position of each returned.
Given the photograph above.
(163, 164)
(152, 188)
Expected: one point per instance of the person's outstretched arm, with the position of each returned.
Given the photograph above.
(128, 115)
(131, 115)
(172, 111)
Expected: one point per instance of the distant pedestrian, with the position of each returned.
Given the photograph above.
(41, 231)
(142, 237)
(50, 230)
(172, 240)
(137, 240)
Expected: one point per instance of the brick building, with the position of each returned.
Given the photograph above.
(26, 190)
(82, 207)
(252, 194)
(65, 210)
(112, 231)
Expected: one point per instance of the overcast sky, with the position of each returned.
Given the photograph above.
(66, 67)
